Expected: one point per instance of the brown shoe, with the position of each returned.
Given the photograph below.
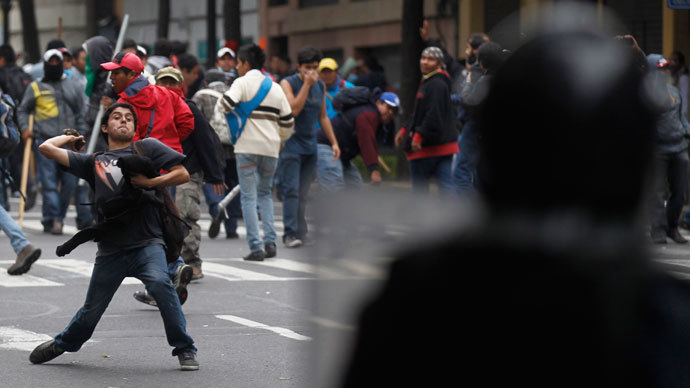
(197, 274)
(25, 258)
(57, 227)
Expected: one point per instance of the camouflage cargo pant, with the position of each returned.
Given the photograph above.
(188, 202)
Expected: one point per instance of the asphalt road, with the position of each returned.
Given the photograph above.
(255, 324)
(284, 322)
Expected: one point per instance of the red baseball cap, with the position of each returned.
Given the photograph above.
(123, 59)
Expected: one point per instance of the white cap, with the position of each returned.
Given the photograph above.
(142, 50)
(225, 50)
(52, 53)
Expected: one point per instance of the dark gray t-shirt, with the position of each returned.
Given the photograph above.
(145, 228)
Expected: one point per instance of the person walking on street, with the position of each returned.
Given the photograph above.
(306, 94)
(670, 155)
(257, 149)
(202, 165)
(217, 83)
(137, 250)
(57, 104)
(465, 168)
(430, 137)
(161, 113)
(328, 72)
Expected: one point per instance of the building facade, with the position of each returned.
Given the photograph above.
(187, 22)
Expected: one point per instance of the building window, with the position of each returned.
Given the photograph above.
(274, 3)
(316, 3)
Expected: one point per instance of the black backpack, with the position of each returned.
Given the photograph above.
(9, 134)
(14, 82)
(348, 98)
(174, 228)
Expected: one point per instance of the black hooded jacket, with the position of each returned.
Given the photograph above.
(433, 114)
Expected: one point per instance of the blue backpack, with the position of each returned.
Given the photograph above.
(238, 117)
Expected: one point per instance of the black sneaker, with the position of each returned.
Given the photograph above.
(675, 235)
(232, 235)
(45, 352)
(214, 229)
(183, 275)
(146, 298)
(188, 360)
(292, 242)
(270, 249)
(255, 256)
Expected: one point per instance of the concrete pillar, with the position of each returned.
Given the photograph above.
(668, 29)
(472, 20)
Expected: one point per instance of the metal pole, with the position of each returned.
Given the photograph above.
(211, 33)
(6, 7)
(97, 124)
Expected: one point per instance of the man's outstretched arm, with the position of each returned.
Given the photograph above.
(52, 148)
(177, 175)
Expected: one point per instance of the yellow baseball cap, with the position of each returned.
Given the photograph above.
(328, 63)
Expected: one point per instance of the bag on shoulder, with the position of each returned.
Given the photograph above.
(237, 118)
(9, 134)
(348, 98)
(174, 228)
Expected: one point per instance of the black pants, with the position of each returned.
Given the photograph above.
(671, 187)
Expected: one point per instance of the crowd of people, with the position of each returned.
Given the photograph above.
(254, 124)
(159, 129)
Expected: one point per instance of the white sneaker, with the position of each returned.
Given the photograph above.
(292, 242)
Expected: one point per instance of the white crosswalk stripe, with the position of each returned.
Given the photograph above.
(18, 339)
(278, 330)
(231, 270)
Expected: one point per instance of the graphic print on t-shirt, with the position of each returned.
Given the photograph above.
(109, 173)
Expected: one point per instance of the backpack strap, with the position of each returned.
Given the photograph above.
(238, 117)
(254, 103)
(90, 174)
(153, 112)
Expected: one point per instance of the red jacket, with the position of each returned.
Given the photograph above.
(172, 119)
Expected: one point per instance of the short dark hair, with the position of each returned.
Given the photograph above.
(7, 52)
(55, 44)
(76, 51)
(490, 56)
(187, 61)
(109, 111)
(178, 47)
(477, 39)
(681, 57)
(162, 47)
(129, 43)
(309, 55)
(253, 54)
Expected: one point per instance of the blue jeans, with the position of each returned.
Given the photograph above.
(465, 170)
(11, 229)
(255, 173)
(234, 209)
(54, 203)
(422, 170)
(146, 264)
(297, 173)
(333, 175)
